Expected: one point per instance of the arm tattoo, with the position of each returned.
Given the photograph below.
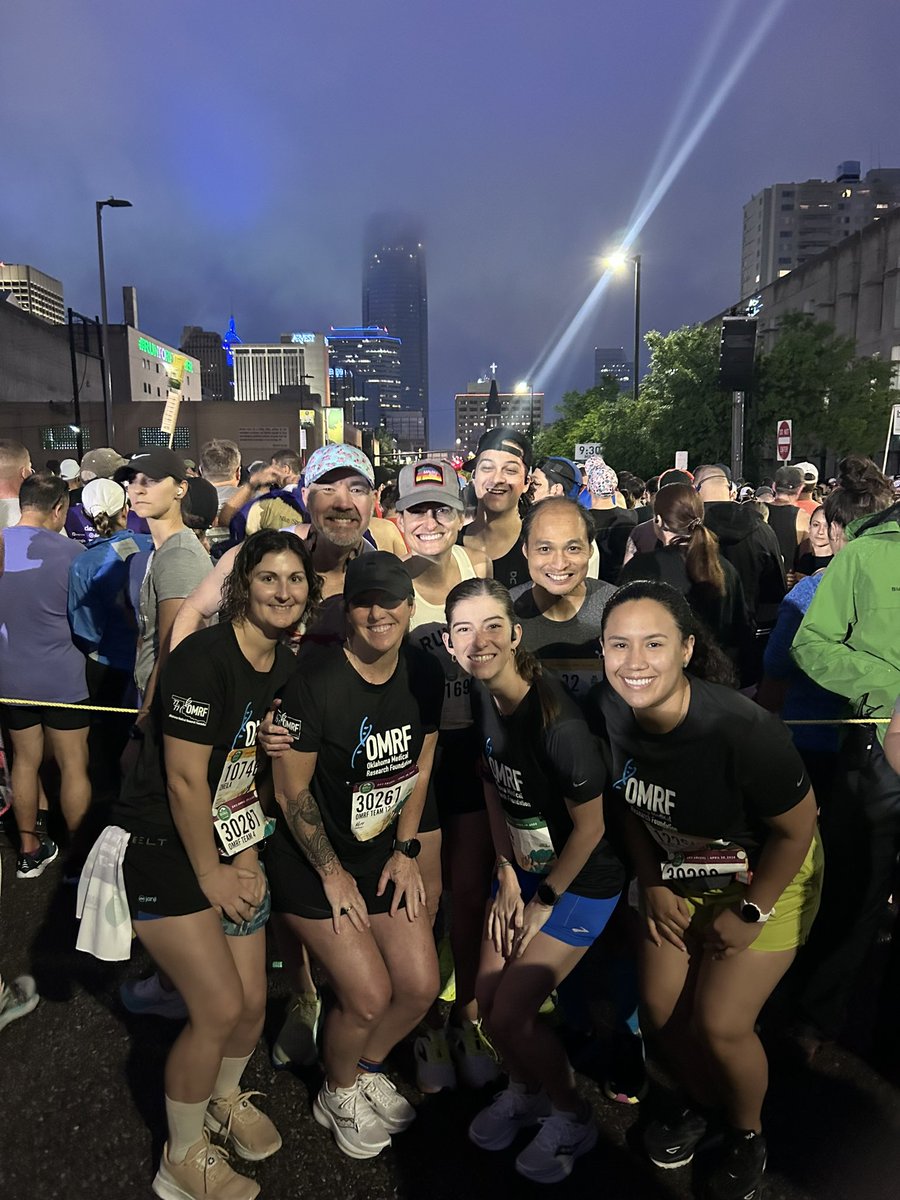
(305, 821)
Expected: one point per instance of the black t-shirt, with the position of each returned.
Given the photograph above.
(809, 563)
(535, 770)
(612, 529)
(713, 779)
(368, 738)
(210, 694)
(571, 648)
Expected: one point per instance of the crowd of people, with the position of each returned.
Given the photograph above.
(448, 738)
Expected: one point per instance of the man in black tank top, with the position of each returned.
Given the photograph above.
(789, 523)
(501, 476)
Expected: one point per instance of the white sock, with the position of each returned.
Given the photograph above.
(229, 1076)
(185, 1123)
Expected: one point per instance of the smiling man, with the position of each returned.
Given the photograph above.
(501, 474)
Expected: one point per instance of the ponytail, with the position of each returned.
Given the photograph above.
(701, 558)
(103, 522)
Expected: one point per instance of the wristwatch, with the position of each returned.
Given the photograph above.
(410, 848)
(546, 894)
(753, 914)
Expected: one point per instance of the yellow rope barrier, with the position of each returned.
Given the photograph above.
(58, 704)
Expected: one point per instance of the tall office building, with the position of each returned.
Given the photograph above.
(315, 360)
(216, 382)
(612, 362)
(263, 371)
(394, 296)
(33, 291)
(788, 223)
(482, 406)
(365, 376)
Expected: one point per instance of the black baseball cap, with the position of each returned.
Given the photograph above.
(158, 463)
(509, 440)
(379, 571)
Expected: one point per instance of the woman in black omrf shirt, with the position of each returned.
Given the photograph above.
(558, 880)
(721, 823)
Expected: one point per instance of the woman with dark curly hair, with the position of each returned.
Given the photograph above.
(189, 827)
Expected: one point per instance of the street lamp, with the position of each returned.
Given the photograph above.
(112, 202)
(522, 387)
(617, 261)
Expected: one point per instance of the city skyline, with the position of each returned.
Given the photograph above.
(524, 147)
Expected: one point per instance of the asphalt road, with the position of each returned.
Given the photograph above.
(82, 1115)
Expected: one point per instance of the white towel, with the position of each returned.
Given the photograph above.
(102, 905)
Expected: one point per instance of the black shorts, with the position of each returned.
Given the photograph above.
(456, 779)
(297, 889)
(159, 878)
(27, 716)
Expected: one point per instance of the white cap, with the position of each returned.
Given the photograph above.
(69, 469)
(103, 496)
(810, 472)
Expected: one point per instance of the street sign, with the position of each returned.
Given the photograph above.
(585, 450)
(681, 460)
(783, 440)
(896, 411)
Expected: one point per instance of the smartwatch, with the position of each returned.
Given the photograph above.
(410, 848)
(753, 914)
(546, 894)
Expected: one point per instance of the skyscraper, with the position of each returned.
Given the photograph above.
(365, 366)
(35, 292)
(394, 296)
(215, 373)
(612, 362)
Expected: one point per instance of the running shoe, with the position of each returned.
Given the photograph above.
(473, 1055)
(550, 1157)
(670, 1144)
(204, 1175)
(434, 1066)
(740, 1171)
(513, 1109)
(239, 1121)
(148, 998)
(296, 1043)
(393, 1111)
(626, 1080)
(31, 866)
(17, 999)
(352, 1121)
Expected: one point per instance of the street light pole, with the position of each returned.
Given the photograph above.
(637, 323)
(112, 202)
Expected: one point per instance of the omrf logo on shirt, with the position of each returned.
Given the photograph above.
(383, 750)
(651, 799)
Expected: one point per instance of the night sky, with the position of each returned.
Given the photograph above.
(255, 139)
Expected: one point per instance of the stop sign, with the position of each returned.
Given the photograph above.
(783, 440)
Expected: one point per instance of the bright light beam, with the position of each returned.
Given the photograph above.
(544, 369)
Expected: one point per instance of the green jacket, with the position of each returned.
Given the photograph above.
(849, 641)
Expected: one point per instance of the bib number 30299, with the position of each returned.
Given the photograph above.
(377, 803)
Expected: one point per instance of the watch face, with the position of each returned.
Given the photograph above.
(546, 894)
(750, 913)
(410, 848)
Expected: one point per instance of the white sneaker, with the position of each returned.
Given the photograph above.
(434, 1066)
(352, 1120)
(513, 1109)
(148, 997)
(17, 998)
(393, 1111)
(550, 1157)
(473, 1055)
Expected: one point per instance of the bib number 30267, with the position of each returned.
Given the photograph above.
(376, 803)
(239, 823)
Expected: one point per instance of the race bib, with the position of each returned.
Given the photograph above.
(531, 844)
(699, 860)
(456, 711)
(376, 803)
(578, 674)
(237, 814)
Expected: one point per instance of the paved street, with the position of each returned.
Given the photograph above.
(83, 1118)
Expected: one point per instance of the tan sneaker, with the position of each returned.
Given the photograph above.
(204, 1175)
(250, 1131)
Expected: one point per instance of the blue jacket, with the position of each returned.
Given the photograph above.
(103, 622)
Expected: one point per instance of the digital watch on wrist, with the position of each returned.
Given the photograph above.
(410, 847)
(546, 894)
(753, 914)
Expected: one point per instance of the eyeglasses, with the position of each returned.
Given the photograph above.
(442, 513)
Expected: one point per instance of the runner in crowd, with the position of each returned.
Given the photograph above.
(613, 522)
(815, 553)
(686, 555)
(720, 821)
(553, 476)
(188, 828)
(363, 718)
(103, 623)
(789, 522)
(500, 475)
(643, 537)
(40, 663)
(560, 608)
(810, 494)
(557, 882)
(430, 511)
(15, 467)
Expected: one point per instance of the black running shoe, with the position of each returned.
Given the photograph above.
(670, 1144)
(31, 866)
(740, 1171)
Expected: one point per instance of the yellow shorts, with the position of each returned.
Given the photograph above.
(795, 910)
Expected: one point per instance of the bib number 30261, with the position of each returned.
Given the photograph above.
(239, 823)
(376, 803)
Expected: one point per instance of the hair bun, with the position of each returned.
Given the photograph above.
(860, 475)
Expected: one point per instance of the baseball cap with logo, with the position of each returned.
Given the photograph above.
(103, 496)
(158, 463)
(336, 458)
(101, 463)
(379, 571)
(69, 469)
(428, 482)
(810, 472)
